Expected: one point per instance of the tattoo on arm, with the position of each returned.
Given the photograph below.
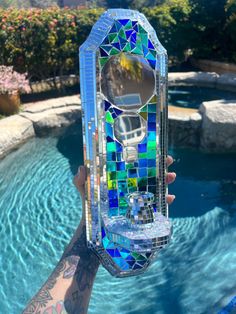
(79, 262)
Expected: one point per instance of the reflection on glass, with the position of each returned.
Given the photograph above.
(129, 129)
(127, 81)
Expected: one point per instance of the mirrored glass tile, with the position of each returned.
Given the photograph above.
(112, 175)
(113, 203)
(132, 173)
(127, 48)
(151, 180)
(142, 148)
(107, 105)
(152, 172)
(120, 166)
(151, 145)
(152, 154)
(151, 163)
(111, 156)
(121, 175)
(150, 45)
(142, 172)
(124, 21)
(132, 182)
(142, 163)
(142, 182)
(111, 184)
(111, 166)
(111, 147)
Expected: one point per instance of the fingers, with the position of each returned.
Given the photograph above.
(79, 180)
(170, 199)
(170, 177)
(169, 160)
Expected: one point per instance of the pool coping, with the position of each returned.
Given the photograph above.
(185, 125)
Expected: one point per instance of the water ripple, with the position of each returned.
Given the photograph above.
(40, 210)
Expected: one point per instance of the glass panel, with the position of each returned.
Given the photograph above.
(128, 81)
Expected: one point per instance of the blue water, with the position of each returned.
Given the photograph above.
(40, 209)
(193, 96)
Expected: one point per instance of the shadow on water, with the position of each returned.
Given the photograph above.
(70, 145)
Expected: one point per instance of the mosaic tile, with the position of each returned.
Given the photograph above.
(127, 35)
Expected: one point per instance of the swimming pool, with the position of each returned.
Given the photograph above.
(40, 209)
(193, 96)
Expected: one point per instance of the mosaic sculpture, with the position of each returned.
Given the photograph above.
(123, 75)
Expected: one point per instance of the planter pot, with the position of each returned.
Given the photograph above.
(9, 104)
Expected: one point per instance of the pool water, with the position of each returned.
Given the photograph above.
(40, 209)
(193, 96)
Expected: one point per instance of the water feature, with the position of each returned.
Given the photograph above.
(40, 209)
(193, 96)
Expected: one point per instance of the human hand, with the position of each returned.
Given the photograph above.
(80, 178)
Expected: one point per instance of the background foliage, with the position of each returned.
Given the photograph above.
(45, 42)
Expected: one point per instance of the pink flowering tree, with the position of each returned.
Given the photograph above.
(12, 82)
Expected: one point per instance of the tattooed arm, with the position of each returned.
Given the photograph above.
(69, 287)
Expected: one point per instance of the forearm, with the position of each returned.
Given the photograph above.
(69, 288)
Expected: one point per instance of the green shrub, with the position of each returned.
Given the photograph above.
(170, 20)
(44, 43)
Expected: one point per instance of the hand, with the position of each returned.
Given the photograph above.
(80, 178)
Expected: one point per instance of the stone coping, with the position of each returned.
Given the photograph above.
(37, 119)
(187, 127)
(226, 81)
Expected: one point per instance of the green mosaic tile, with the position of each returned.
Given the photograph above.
(111, 147)
(121, 175)
(129, 166)
(144, 39)
(150, 56)
(151, 145)
(123, 202)
(152, 172)
(141, 30)
(127, 48)
(154, 53)
(111, 184)
(103, 61)
(114, 51)
(143, 155)
(122, 210)
(137, 51)
(151, 154)
(132, 182)
(112, 175)
(142, 182)
(111, 166)
(122, 34)
(128, 25)
(111, 37)
(109, 117)
(144, 109)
